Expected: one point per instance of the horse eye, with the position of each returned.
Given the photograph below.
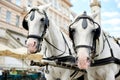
(72, 30)
(93, 31)
(42, 19)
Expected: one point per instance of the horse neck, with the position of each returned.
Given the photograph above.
(55, 37)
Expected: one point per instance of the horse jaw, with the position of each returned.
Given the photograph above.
(44, 7)
(83, 61)
(28, 8)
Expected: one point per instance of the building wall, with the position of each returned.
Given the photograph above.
(96, 8)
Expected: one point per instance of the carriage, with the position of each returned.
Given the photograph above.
(96, 52)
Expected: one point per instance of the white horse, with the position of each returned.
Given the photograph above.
(97, 52)
(56, 44)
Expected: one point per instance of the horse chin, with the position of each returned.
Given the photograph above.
(83, 61)
(83, 64)
(33, 49)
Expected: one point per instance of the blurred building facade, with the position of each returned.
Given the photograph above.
(12, 13)
(95, 6)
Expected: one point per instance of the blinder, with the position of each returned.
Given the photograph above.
(97, 31)
(71, 33)
(46, 19)
(25, 24)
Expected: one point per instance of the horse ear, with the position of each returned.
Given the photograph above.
(97, 31)
(95, 14)
(73, 14)
(28, 8)
(45, 7)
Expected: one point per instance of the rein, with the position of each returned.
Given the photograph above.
(40, 38)
(56, 57)
(55, 47)
(107, 60)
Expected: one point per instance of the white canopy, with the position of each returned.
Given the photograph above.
(20, 53)
(18, 58)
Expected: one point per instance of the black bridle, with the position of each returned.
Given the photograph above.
(46, 24)
(40, 38)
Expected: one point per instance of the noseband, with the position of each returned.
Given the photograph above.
(82, 46)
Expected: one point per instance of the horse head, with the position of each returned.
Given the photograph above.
(36, 22)
(84, 32)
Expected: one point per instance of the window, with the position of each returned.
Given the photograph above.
(9, 0)
(0, 11)
(53, 2)
(58, 5)
(38, 3)
(8, 16)
(17, 20)
(46, 1)
(29, 3)
(18, 39)
(18, 2)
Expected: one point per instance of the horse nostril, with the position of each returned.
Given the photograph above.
(88, 59)
(34, 44)
(25, 41)
(76, 58)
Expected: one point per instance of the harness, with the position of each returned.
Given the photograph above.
(108, 60)
(56, 61)
(99, 62)
(104, 61)
(70, 53)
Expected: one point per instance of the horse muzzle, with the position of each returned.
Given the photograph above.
(33, 46)
(83, 60)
